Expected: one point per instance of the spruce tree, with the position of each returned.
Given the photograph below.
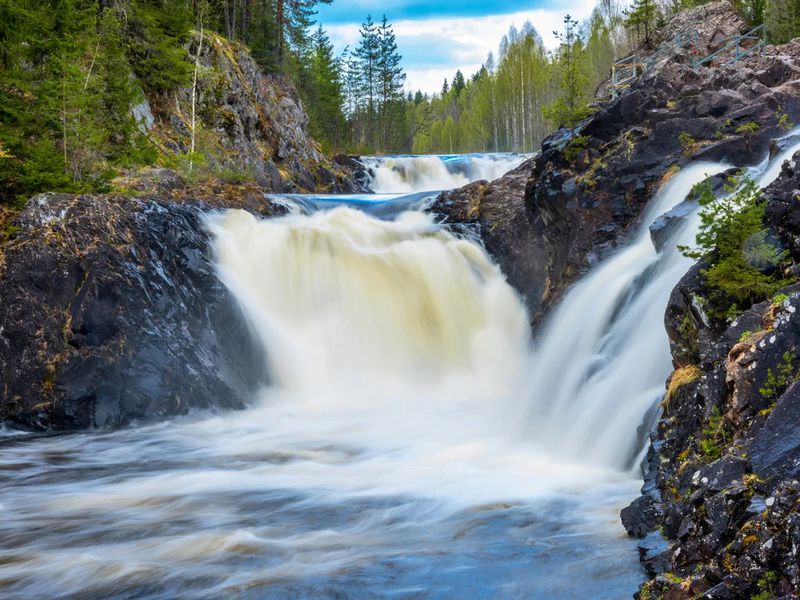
(392, 78)
(368, 54)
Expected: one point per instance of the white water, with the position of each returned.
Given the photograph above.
(602, 358)
(394, 453)
(406, 174)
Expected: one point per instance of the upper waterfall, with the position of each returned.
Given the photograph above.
(406, 174)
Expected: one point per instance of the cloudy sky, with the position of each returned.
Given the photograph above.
(438, 37)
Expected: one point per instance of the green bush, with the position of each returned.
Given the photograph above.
(743, 263)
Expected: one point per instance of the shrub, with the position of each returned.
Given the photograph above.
(577, 145)
(743, 262)
(687, 143)
(779, 380)
(747, 128)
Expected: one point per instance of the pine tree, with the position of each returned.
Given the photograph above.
(392, 78)
(326, 102)
(368, 53)
(642, 16)
(458, 82)
(571, 106)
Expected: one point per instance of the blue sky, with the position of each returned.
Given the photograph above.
(437, 38)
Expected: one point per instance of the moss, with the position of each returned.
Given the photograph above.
(715, 436)
(784, 122)
(576, 145)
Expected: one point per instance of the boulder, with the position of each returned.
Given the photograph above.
(111, 312)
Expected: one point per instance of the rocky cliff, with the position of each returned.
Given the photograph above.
(720, 510)
(250, 127)
(111, 312)
(585, 191)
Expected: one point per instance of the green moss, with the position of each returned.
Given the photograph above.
(784, 122)
(577, 145)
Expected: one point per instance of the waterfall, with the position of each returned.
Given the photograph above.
(373, 308)
(602, 357)
(404, 174)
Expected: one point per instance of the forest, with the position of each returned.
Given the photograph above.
(71, 70)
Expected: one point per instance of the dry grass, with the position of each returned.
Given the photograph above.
(680, 377)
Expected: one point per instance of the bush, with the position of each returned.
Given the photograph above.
(743, 261)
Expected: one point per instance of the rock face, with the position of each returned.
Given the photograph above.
(111, 312)
(586, 190)
(249, 125)
(496, 212)
(722, 492)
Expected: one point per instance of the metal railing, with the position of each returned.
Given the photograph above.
(628, 69)
(742, 45)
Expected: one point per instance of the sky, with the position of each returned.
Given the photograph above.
(436, 38)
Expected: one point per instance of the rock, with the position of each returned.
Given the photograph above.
(665, 225)
(111, 313)
(722, 473)
(775, 448)
(740, 506)
(641, 517)
(255, 128)
(496, 210)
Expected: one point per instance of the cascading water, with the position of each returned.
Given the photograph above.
(405, 174)
(603, 356)
(394, 453)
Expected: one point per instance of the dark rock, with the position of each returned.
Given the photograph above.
(111, 312)
(775, 449)
(641, 517)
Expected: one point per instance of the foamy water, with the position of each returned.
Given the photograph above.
(414, 441)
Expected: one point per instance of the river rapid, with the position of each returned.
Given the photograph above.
(414, 441)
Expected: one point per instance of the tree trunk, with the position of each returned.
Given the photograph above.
(279, 21)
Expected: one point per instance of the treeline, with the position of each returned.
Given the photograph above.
(72, 70)
(513, 102)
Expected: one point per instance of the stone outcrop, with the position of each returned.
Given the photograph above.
(111, 312)
(496, 212)
(720, 508)
(250, 126)
(586, 190)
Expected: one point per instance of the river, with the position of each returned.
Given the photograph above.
(414, 440)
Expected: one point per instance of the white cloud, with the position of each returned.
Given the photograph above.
(433, 49)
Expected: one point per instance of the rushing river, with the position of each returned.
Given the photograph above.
(414, 441)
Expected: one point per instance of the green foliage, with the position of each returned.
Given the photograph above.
(715, 436)
(747, 128)
(784, 122)
(642, 16)
(765, 586)
(782, 20)
(780, 298)
(743, 262)
(778, 381)
(687, 143)
(576, 145)
(572, 106)
(156, 38)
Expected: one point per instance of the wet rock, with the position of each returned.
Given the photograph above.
(496, 211)
(736, 522)
(111, 313)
